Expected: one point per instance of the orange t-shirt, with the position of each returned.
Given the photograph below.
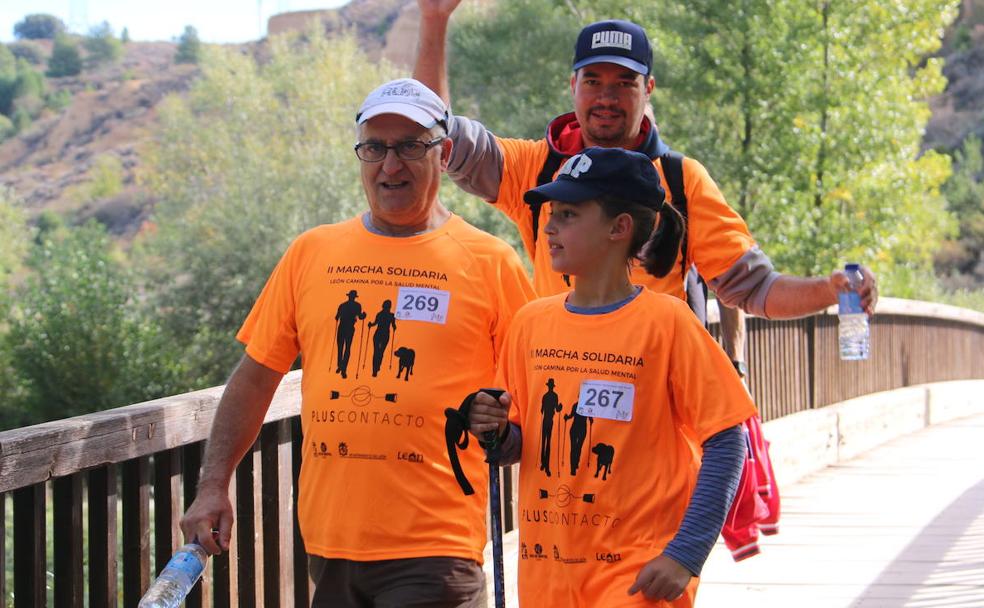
(717, 236)
(391, 331)
(606, 404)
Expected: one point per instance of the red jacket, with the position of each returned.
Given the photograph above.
(756, 505)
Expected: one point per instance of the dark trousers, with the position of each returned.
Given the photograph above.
(420, 582)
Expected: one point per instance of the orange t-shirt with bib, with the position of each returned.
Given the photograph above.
(607, 471)
(717, 236)
(391, 331)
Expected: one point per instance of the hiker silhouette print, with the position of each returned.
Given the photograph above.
(384, 321)
(549, 406)
(349, 312)
(579, 432)
(379, 335)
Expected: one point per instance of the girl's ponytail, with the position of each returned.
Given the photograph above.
(660, 252)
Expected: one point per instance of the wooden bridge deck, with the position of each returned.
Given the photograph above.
(900, 526)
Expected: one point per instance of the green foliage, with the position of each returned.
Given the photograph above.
(105, 180)
(102, 45)
(28, 51)
(250, 158)
(21, 120)
(125, 35)
(961, 260)
(14, 236)
(8, 62)
(21, 87)
(810, 117)
(58, 100)
(15, 240)
(962, 39)
(65, 59)
(39, 26)
(75, 342)
(189, 46)
(7, 128)
(511, 68)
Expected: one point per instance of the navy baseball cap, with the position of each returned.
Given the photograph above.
(614, 41)
(596, 173)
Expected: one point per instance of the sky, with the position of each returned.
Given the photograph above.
(215, 20)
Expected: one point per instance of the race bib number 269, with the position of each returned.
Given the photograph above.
(606, 399)
(422, 304)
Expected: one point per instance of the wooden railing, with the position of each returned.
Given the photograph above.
(117, 481)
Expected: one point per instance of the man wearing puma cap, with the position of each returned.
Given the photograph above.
(611, 85)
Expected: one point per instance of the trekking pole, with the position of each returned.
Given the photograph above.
(358, 357)
(490, 442)
(563, 442)
(331, 352)
(590, 426)
(392, 340)
(456, 436)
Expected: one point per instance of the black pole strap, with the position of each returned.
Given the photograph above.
(456, 428)
(456, 436)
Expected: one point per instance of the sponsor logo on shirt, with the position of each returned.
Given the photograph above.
(566, 560)
(415, 457)
(536, 554)
(343, 451)
(320, 450)
(609, 557)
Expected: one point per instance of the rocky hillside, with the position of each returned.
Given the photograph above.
(959, 111)
(112, 113)
(113, 109)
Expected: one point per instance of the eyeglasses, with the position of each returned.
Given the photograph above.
(413, 149)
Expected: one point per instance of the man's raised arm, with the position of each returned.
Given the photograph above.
(431, 67)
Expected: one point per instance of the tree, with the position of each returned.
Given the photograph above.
(811, 117)
(39, 27)
(65, 59)
(102, 45)
(24, 88)
(15, 239)
(125, 35)
(250, 158)
(7, 128)
(189, 46)
(75, 340)
(14, 236)
(510, 65)
(960, 260)
(8, 62)
(28, 51)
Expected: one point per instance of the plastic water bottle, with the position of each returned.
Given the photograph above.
(853, 322)
(176, 580)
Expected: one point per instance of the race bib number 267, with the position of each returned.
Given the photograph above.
(606, 399)
(422, 304)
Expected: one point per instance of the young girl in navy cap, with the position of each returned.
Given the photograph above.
(624, 512)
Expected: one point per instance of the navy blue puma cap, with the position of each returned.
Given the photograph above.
(597, 173)
(615, 41)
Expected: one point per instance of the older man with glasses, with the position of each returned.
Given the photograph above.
(378, 506)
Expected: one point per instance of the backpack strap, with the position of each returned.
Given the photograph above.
(550, 166)
(673, 172)
(694, 284)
